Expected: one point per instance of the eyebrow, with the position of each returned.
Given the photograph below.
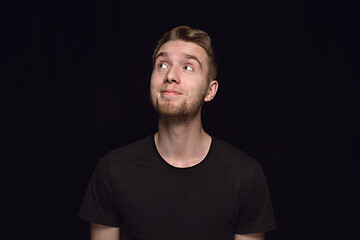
(186, 56)
(189, 56)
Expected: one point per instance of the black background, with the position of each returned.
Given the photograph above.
(76, 86)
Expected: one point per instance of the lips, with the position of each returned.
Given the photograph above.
(170, 92)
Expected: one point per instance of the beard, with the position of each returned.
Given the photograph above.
(178, 112)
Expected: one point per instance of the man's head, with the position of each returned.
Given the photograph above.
(183, 75)
(188, 34)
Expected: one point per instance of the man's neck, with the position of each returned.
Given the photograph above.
(182, 144)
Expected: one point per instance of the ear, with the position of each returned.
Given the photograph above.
(213, 87)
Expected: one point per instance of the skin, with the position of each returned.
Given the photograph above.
(178, 88)
(101, 232)
(181, 139)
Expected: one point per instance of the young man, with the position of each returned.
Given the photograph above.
(180, 183)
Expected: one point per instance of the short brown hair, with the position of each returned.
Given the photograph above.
(189, 34)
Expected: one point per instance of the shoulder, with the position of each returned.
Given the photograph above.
(227, 154)
(136, 150)
(224, 149)
(120, 161)
(134, 147)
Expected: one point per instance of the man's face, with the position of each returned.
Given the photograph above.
(179, 81)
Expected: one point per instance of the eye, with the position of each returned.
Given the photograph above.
(189, 68)
(162, 65)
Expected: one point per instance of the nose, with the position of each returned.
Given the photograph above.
(172, 76)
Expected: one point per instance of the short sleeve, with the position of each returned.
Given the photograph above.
(256, 213)
(98, 203)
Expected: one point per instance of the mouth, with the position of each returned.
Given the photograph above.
(170, 92)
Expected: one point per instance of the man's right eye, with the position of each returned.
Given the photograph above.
(162, 65)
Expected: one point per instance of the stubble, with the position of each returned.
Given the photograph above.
(177, 112)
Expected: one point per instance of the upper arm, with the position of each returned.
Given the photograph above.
(102, 232)
(251, 236)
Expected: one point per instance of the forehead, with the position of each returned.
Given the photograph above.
(182, 48)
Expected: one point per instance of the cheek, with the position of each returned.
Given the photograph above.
(203, 85)
(204, 91)
(153, 80)
(153, 89)
(156, 78)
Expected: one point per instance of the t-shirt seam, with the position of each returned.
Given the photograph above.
(96, 219)
(248, 185)
(111, 184)
(186, 171)
(259, 228)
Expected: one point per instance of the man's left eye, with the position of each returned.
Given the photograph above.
(188, 68)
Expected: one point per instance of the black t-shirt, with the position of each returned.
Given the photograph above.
(134, 188)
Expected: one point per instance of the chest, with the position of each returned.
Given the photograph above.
(156, 202)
